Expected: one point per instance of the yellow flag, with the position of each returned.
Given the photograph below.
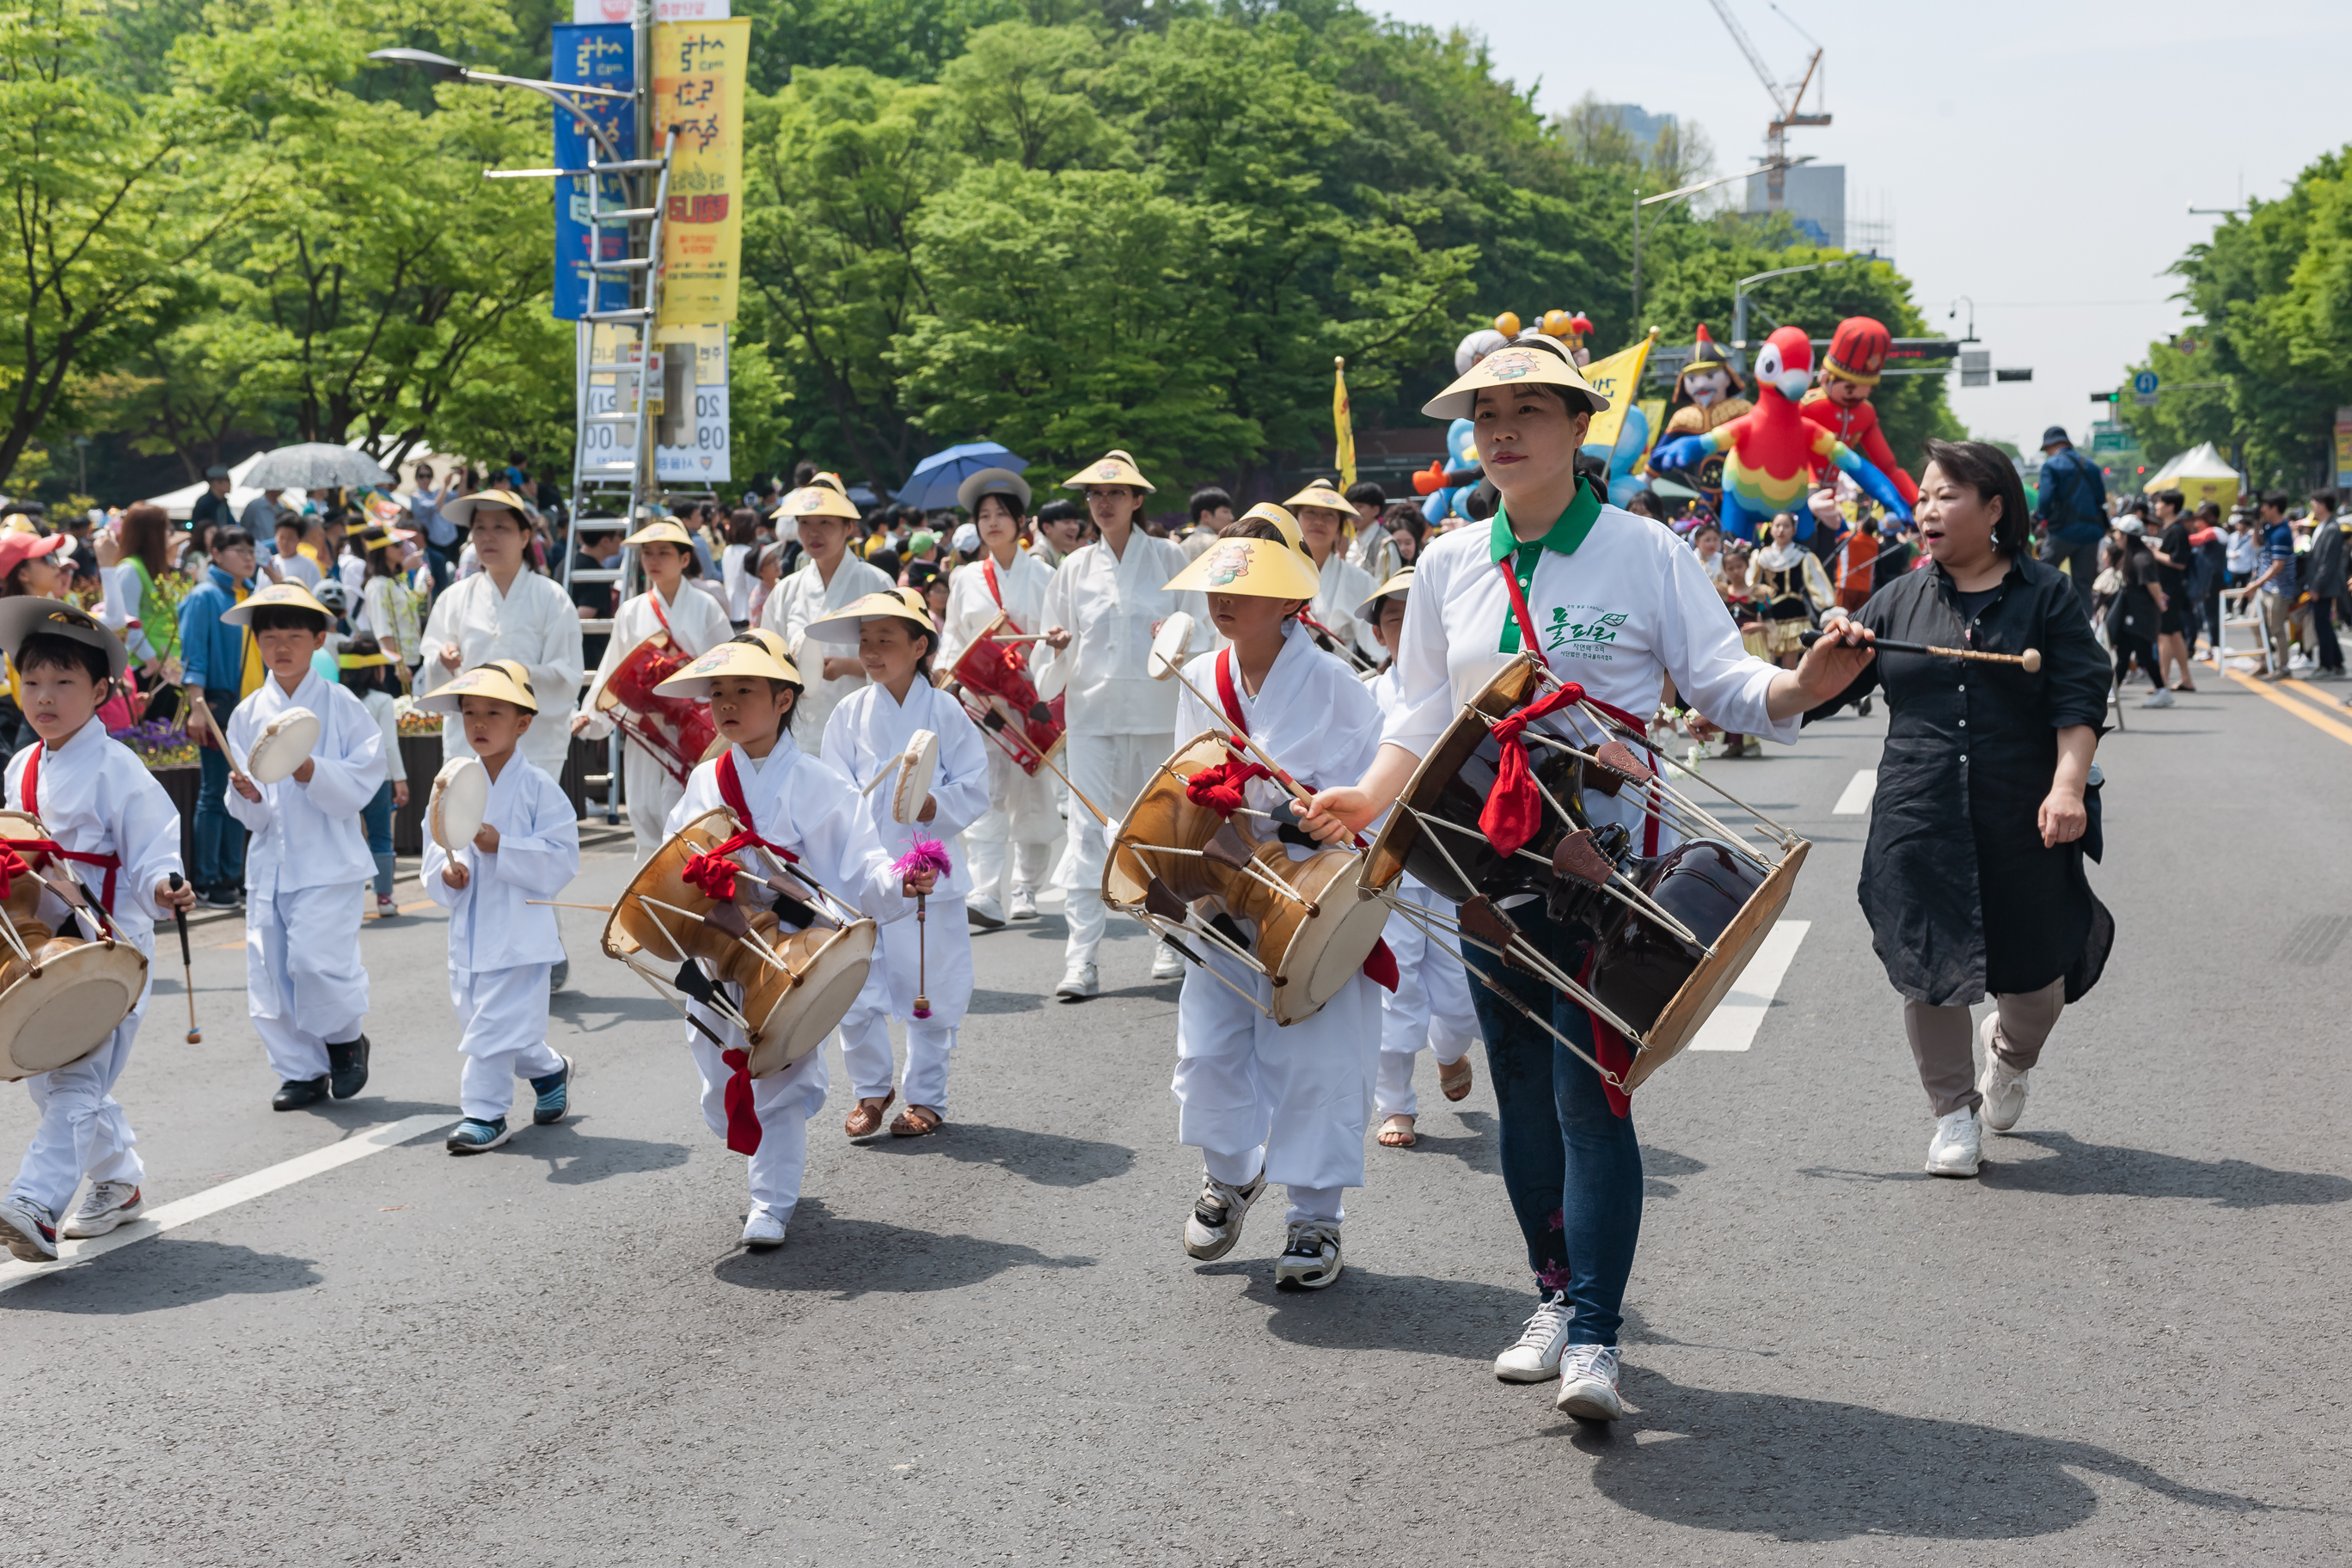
(1616, 378)
(1343, 448)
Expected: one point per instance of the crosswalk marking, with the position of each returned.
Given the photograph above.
(1855, 801)
(1733, 1024)
(212, 1200)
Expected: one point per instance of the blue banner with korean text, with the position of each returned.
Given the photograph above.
(597, 54)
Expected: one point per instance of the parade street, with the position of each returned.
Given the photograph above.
(2126, 1342)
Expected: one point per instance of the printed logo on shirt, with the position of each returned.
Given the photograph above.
(1583, 631)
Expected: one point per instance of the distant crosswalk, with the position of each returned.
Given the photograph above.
(1733, 1024)
(1855, 801)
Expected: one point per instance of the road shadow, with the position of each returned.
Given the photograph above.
(574, 1158)
(1005, 1002)
(364, 1111)
(161, 1273)
(1475, 1148)
(577, 1008)
(1658, 1165)
(2073, 1168)
(847, 1259)
(1817, 1471)
(1048, 1158)
(1466, 1320)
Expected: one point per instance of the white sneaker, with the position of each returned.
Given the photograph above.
(2160, 697)
(1958, 1147)
(1167, 963)
(982, 913)
(1079, 981)
(2002, 1086)
(1536, 1355)
(762, 1230)
(28, 1230)
(109, 1204)
(1215, 1222)
(1024, 904)
(1588, 1383)
(1311, 1260)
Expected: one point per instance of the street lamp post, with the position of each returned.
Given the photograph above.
(1640, 201)
(1739, 301)
(564, 95)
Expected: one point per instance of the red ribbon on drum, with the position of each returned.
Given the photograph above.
(712, 870)
(743, 1128)
(1514, 809)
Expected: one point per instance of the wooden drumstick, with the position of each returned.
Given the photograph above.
(1298, 791)
(2031, 658)
(187, 965)
(922, 961)
(560, 904)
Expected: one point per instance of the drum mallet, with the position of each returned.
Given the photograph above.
(2031, 658)
(187, 965)
(928, 855)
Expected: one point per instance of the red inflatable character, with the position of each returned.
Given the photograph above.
(1841, 404)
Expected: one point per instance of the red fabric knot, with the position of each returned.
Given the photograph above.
(1381, 966)
(12, 866)
(1218, 788)
(714, 872)
(743, 1128)
(1514, 807)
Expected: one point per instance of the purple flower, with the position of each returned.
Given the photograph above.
(1553, 1277)
(1558, 1220)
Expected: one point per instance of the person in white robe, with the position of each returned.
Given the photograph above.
(1102, 610)
(868, 736)
(306, 986)
(502, 944)
(97, 800)
(695, 624)
(506, 610)
(1371, 546)
(830, 577)
(1266, 1102)
(799, 805)
(1324, 516)
(1014, 841)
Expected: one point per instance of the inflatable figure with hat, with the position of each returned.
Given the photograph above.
(1445, 485)
(1841, 404)
(1707, 393)
(1769, 454)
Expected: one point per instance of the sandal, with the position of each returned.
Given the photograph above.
(1454, 1080)
(866, 1118)
(1396, 1133)
(915, 1121)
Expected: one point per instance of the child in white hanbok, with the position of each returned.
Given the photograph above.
(502, 944)
(119, 833)
(798, 805)
(866, 737)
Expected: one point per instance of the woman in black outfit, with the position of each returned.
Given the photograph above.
(1973, 880)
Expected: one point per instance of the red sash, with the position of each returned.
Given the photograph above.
(714, 873)
(29, 789)
(988, 575)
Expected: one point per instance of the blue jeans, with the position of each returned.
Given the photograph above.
(1572, 1167)
(376, 816)
(220, 838)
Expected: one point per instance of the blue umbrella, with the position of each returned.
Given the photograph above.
(932, 486)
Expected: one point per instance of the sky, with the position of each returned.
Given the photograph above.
(2038, 157)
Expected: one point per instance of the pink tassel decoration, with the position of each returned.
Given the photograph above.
(928, 855)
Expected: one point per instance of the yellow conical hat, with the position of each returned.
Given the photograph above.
(1115, 468)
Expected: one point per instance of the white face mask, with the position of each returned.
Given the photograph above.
(1707, 387)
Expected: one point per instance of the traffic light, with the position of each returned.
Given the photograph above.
(2106, 397)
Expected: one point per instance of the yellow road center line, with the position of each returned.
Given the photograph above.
(2302, 711)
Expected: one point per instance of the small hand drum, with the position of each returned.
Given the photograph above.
(1171, 644)
(917, 768)
(285, 743)
(461, 793)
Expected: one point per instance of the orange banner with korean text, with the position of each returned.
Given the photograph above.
(698, 75)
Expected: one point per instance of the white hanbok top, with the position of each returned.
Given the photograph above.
(1111, 605)
(96, 797)
(492, 924)
(869, 732)
(309, 834)
(801, 802)
(534, 623)
(1019, 591)
(735, 573)
(391, 611)
(384, 709)
(1346, 586)
(696, 624)
(1374, 550)
(806, 596)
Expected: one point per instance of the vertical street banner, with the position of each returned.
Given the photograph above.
(1343, 428)
(698, 79)
(596, 56)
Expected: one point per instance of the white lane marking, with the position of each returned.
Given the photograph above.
(1733, 1026)
(1855, 801)
(212, 1200)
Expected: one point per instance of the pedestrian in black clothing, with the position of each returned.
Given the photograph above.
(2324, 568)
(2171, 552)
(2135, 618)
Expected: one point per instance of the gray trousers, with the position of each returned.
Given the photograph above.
(1942, 1042)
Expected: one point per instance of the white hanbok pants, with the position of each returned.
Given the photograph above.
(1430, 1005)
(889, 993)
(83, 1132)
(783, 1102)
(1252, 1095)
(1110, 771)
(502, 1031)
(304, 983)
(651, 792)
(1020, 812)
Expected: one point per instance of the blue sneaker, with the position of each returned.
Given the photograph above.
(554, 1093)
(471, 1137)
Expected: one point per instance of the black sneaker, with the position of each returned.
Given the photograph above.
(219, 899)
(554, 1093)
(347, 1065)
(472, 1137)
(296, 1094)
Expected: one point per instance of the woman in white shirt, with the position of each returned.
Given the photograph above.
(735, 574)
(506, 610)
(831, 576)
(1324, 515)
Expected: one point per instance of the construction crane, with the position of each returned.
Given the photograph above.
(1791, 104)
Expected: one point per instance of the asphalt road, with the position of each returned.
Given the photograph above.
(2127, 1343)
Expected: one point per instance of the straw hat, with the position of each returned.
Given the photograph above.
(277, 597)
(1266, 511)
(738, 655)
(897, 604)
(1116, 467)
(24, 614)
(775, 645)
(668, 530)
(815, 500)
(994, 482)
(1325, 494)
(461, 510)
(1539, 361)
(503, 679)
(1258, 568)
(1396, 586)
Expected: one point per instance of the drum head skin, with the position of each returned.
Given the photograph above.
(1054, 675)
(285, 744)
(461, 793)
(833, 965)
(1330, 946)
(919, 765)
(54, 1018)
(1171, 644)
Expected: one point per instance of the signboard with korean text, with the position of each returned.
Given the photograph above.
(2344, 448)
(598, 55)
(698, 71)
(688, 394)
